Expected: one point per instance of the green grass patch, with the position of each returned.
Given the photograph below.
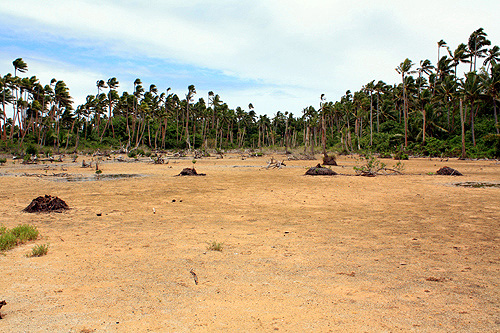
(17, 235)
(38, 250)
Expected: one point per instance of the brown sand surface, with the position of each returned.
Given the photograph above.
(300, 253)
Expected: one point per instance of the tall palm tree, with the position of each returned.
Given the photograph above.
(491, 88)
(189, 99)
(403, 69)
(471, 90)
(477, 46)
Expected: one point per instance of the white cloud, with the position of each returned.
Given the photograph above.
(305, 48)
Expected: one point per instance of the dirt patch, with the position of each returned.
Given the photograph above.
(318, 170)
(447, 171)
(46, 204)
(190, 172)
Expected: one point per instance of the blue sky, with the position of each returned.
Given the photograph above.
(279, 55)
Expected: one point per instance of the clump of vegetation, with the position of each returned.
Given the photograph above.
(368, 165)
(3, 160)
(215, 246)
(18, 235)
(38, 250)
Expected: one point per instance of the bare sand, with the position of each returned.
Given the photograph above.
(300, 253)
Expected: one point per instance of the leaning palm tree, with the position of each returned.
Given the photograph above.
(477, 46)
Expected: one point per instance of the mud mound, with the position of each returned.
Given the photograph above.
(46, 204)
(318, 170)
(190, 172)
(447, 171)
(329, 160)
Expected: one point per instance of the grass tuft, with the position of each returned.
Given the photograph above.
(39, 250)
(17, 235)
(215, 246)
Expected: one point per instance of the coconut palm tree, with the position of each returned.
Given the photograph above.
(491, 88)
(189, 99)
(492, 57)
(477, 46)
(471, 90)
(404, 69)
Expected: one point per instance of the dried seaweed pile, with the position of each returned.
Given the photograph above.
(318, 170)
(46, 204)
(447, 171)
(190, 172)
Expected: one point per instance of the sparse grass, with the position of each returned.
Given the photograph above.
(38, 250)
(18, 235)
(215, 246)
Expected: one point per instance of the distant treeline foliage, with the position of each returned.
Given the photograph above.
(433, 111)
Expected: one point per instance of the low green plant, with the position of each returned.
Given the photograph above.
(25, 233)
(3, 160)
(98, 172)
(368, 165)
(18, 235)
(215, 246)
(39, 250)
(399, 166)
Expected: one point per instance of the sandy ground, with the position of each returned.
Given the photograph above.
(300, 253)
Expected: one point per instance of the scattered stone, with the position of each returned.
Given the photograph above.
(447, 171)
(318, 170)
(46, 204)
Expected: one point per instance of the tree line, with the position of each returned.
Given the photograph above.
(434, 110)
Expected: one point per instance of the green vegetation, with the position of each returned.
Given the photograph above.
(433, 111)
(215, 246)
(17, 235)
(39, 250)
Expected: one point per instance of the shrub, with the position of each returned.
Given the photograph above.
(39, 250)
(32, 150)
(17, 235)
(215, 246)
(3, 160)
(25, 233)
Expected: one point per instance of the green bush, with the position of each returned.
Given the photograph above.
(25, 233)
(32, 150)
(39, 250)
(17, 235)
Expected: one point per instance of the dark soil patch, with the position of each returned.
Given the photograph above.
(318, 170)
(190, 172)
(447, 171)
(46, 204)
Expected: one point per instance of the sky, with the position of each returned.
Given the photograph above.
(279, 55)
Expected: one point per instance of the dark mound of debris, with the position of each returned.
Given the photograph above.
(46, 204)
(318, 170)
(447, 171)
(190, 172)
(329, 160)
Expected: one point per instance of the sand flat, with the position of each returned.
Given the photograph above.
(301, 253)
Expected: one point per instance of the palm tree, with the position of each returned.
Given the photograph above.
(477, 43)
(471, 90)
(405, 68)
(491, 87)
(189, 99)
(492, 57)
(112, 98)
